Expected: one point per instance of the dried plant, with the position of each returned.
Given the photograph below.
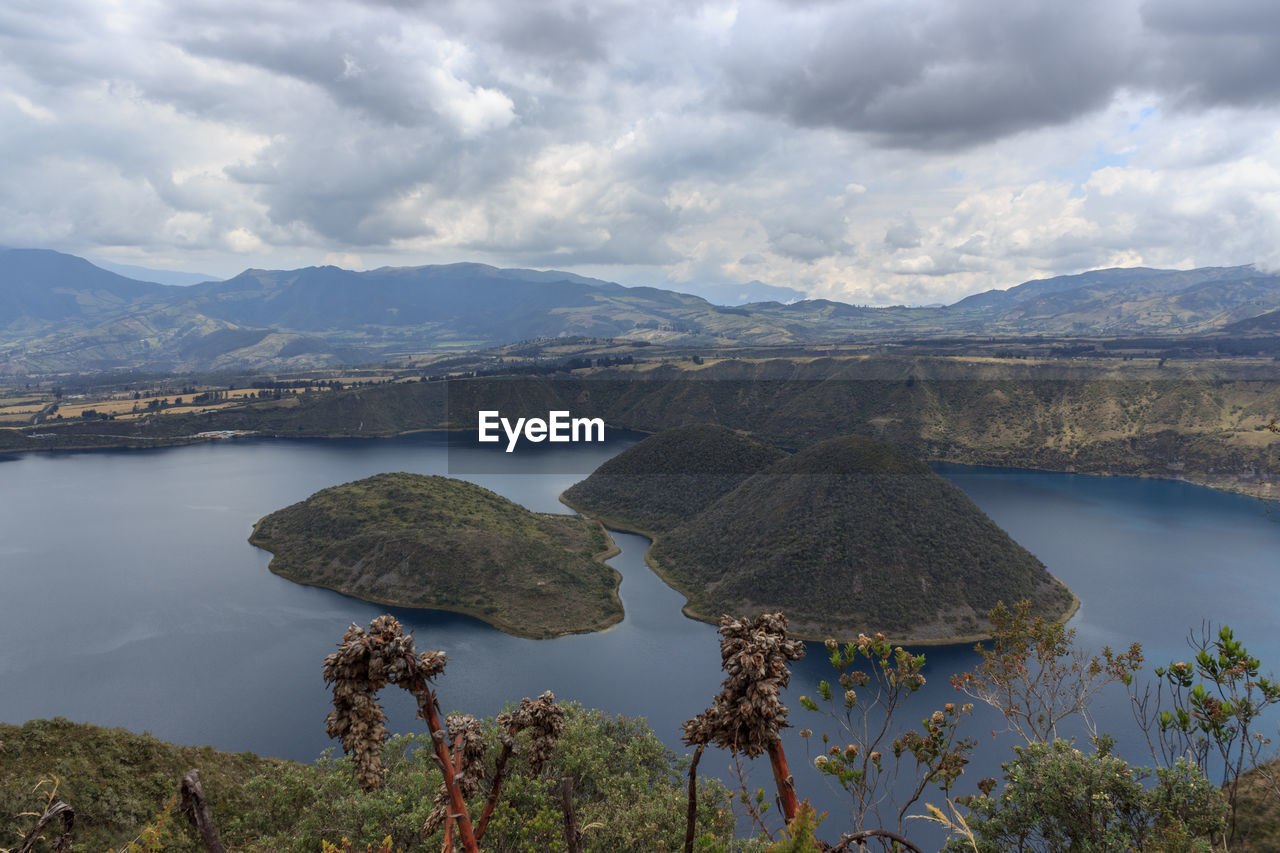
(748, 713)
(545, 719)
(364, 663)
(469, 747)
(55, 809)
(367, 662)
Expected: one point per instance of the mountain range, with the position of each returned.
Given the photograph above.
(60, 313)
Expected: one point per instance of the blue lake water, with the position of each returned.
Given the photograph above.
(129, 595)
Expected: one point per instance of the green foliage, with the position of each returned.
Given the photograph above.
(118, 782)
(798, 837)
(1057, 798)
(629, 793)
(1209, 708)
(426, 541)
(659, 483)
(628, 789)
(159, 833)
(875, 680)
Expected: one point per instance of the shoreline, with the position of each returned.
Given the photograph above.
(1259, 490)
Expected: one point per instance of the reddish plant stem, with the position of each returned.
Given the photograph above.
(782, 779)
(448, 818)
(427, 710)
(499, 776)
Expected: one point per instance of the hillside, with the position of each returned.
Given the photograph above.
(425, 541)
(1126, 301)
(1202, 421)
(657, 484)
(60, 314)
(850, 536)
(42, 290)
(627, 786)
(118, 781)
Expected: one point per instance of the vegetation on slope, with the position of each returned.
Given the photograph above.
(664, 480)
(432, 542)
(118, 781)
(852, 536)
(1204, 422)
(627, 789)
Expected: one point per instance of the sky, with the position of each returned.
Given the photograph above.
(876, 152)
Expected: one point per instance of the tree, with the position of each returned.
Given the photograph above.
(1057, 798)
(748, 714)
(1033, 674)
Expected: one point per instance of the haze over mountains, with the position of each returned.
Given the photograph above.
(60, 313)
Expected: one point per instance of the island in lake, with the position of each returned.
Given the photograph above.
(412, 540)
(847, 536)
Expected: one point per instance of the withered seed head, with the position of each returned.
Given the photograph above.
(363, 664)
(747, 714)
(545, 721)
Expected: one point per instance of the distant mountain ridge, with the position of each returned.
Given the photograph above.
(156, 276)
(60, 313)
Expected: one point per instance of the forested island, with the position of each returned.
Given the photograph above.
(848, 536)
(433, 542)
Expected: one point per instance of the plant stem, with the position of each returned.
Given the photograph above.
(782, 779)
(427, 710)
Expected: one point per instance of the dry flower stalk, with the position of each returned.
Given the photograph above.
(545, 719)
(748, 713)
(366, 662)
(469, 748)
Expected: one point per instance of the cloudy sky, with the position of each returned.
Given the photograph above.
(876, 151)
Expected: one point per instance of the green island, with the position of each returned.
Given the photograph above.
(847, 536)
(412, 540)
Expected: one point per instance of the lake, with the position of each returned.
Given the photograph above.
(129, 595)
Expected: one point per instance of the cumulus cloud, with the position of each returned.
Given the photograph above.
(881, 152)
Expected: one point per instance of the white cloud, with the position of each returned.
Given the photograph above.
(880, 152)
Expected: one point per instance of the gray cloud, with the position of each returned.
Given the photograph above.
(1225, 53)
(571, 35)
(935, 75)
(904, 234)
(944, 76)
(881, 151)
